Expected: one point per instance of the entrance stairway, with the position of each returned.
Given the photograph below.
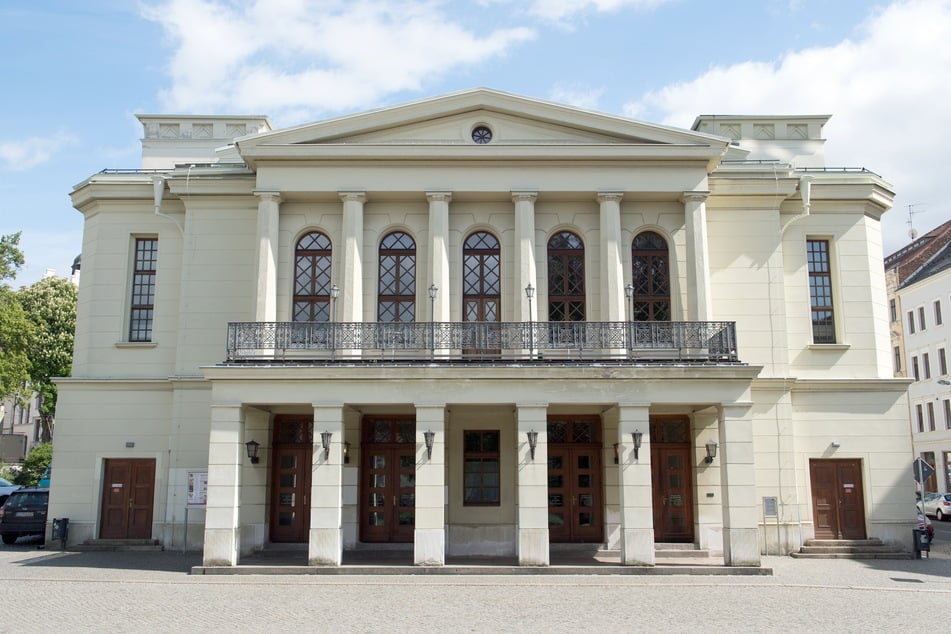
(849, 549)
(101, 545)
(683, 554)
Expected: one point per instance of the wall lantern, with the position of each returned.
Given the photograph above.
(616, 457)
(252, 447)
(636, 436)
(429, 436)
(532, 441)
(711, 451)
(346, 453)
(325, 437)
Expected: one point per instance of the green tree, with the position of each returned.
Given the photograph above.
(50, 305)
(34, 465)
(11, 257)
(16, 330)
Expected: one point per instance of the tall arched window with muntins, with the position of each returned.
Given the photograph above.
(650, 276)
(396, 301)
(312, 279)
(481, 277)
(566, 295)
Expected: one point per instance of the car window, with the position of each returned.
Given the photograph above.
(947, 496)
(26, 499)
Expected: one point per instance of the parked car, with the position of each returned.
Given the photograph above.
(6, 488)
(924, 522)
(24, 513)
(937, 504)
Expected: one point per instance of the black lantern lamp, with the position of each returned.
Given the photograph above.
(637, 436)
(252, 447)
(429, 436)
(346, 453)
(711, 451)
(532, 441)
(325, 437)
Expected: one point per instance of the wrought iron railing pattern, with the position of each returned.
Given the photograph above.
(696, 341)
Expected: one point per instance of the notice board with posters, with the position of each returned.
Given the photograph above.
(196, 494)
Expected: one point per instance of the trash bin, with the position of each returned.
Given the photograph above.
(61, 530)
(920, 541)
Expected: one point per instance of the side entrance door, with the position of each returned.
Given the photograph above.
(672, 479)
(575, 508)
(128, 491)
(838, 502)
(388, 480)
(291, 459)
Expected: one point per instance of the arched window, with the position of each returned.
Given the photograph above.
(312, 278)
(566, 278)
(397, 299)
(481, 285)
(650, 276)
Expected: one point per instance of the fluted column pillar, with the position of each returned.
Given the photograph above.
(698, 257)
(439, 253)
(265, 296)
(612, 271)
(351, 279)
(524, 256)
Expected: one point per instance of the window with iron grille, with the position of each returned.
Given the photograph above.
(481, 277)
(396, 301)
(566, 293)
(650, 277)
(142, 308)
(481, 468)
(312, 281)
(820, 291)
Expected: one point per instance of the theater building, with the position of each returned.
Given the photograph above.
(487, 325)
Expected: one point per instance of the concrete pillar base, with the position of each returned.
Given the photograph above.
(637, 547)
(325, 547)
(429, 547)
(533, 547)
(221, 547)
(741, 547)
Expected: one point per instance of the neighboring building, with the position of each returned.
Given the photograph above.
(919, 282)
(482, 324)
(20, 428)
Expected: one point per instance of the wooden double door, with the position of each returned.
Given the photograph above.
(291, 466)
(388, 479)
(575, 505)
(838, 501)
(672, 478)
(128, 492)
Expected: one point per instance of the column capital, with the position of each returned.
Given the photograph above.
(524, 196)
(607, 197)
(356, 197)
(436, 197)
(267, 195)
(694, 196)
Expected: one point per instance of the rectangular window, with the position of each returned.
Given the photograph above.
(942, 362)
(921, 418)
(911, 322)
(914, 368)
(897, 359)
(947, 414)
(926, 365)
(937, 313)
(921, 318)
(820, 291)
(143, 289)
(481, 468)
(894, 309)
(930, 416)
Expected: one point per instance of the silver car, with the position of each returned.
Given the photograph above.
(938, 505)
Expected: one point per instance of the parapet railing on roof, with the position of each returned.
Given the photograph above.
(635, 342)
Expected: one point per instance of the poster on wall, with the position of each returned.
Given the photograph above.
(197, 489)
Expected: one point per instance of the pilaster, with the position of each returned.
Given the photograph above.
(429, 547)
(637, 502)
(325, 547)
(738, 483)
(225, 449)
(698, 258)
(265, 300)
(533, 539)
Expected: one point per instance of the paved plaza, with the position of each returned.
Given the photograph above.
(53, 591)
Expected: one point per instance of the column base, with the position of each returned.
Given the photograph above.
(637, 547)
(429, 547)
(325, 547)
(221, 547)
(741, 547)
(533, 547)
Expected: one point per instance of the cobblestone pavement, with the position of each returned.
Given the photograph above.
(52, 591)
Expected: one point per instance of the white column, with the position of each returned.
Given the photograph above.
(524, 256)
(612, 270)
(738, 483)
(351, 278)
(698, 258)
(439, 253)
(225, 451)
(532, 476)
(429, 547)
(637, 499)
(325, 547)
(265, 300)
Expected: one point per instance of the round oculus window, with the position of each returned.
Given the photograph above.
(481, 135)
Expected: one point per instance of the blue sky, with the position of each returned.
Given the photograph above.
(76, 73)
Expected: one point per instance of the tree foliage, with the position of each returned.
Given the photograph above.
(34, 465)
(11, 257)
(16, 330)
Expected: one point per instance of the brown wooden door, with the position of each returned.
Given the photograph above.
(388, 504)
(838, 506)
(290, 489)
(128, 491)
(673, 494)
(575, 513)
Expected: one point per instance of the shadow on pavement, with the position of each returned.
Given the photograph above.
(162, 561)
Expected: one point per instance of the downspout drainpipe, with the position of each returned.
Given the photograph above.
(805, 190)
(158, 191)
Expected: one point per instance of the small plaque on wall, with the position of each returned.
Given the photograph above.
(770, 507)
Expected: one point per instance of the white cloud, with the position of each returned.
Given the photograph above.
(577, 96)
(24, 154)
(302, 57)
(560, 10)
(888, 90)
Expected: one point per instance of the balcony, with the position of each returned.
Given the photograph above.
(497, 342)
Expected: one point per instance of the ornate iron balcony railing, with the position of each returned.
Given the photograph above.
(695, 341)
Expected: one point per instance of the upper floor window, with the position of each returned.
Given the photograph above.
(911, 322)
(820, 291)
(947, 416)
(921, 317)
(142, 309)
(914, 368)
(893, 309)
(650, 278)
(312, 301)
(481, 277)
(566, 294)
(396, 301)
(942, 362)
(897, 351)
(937, 313)
(926, 364)
(931, 424)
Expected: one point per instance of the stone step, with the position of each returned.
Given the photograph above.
(849, 549)
(679, 553)
(102, 545)
(859, 555)
(844, 542)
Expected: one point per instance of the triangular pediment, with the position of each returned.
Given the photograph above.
(450, 120)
